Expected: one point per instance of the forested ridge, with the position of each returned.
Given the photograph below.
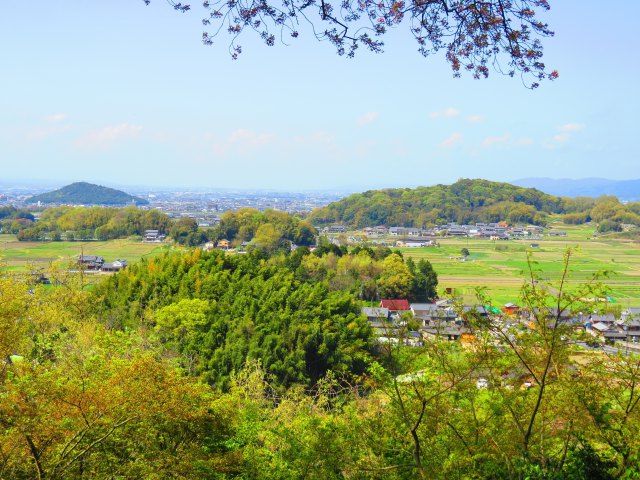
(470, 201)
(88, 194)
(217, 366)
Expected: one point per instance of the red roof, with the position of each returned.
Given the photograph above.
(395, 304)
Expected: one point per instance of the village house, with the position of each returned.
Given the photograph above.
(395, 306)
(448, 332)
(511, 309)
(223, 244)
(475, 311)
(374, 314)
(97, 263)
(413, 339)
(153, 236)
(90, 262)
(414, 243)
(457, 231)
(631, 328)
(430, 313)
(114, 266)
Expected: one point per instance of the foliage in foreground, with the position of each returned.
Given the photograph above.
(84, 398)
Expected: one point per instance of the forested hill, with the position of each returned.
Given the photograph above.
(465, 201)
(88, 194)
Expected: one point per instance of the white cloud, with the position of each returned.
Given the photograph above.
(105, 137)
(447, 113)
(451, 140)
(249, 138)
(475, 118)
(56, 117)
(367, 118)
(565, 132)
(496, 140)
(54, 126)
(561, 138)
(571, 127)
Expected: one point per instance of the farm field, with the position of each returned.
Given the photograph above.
(17, 256)
(501, 266)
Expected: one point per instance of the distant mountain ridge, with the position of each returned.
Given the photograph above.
(84, 193)
(584, 187)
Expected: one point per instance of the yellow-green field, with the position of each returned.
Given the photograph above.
(500, 266)
(15, 255)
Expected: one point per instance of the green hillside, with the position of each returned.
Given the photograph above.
(88, 194)
(463, 202)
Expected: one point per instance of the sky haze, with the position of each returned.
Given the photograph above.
(119, 93)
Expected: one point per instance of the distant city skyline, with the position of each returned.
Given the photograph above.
(121, 94)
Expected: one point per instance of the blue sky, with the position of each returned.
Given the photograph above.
(119, 93)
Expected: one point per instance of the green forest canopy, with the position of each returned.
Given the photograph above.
(83, 193)
(469, 201)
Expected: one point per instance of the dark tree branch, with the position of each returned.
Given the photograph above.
(473, 34)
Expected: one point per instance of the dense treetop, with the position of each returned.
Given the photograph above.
(469, 201)
(462, 202)
(220, 310)
(83, 193)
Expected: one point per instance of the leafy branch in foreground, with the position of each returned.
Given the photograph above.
(541, 352)
(503, 34)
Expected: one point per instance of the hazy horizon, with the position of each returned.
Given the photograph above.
(25, 183)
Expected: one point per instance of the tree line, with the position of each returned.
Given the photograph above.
(268, 230)
(93, 223)
(13, 219)
(607, 211)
